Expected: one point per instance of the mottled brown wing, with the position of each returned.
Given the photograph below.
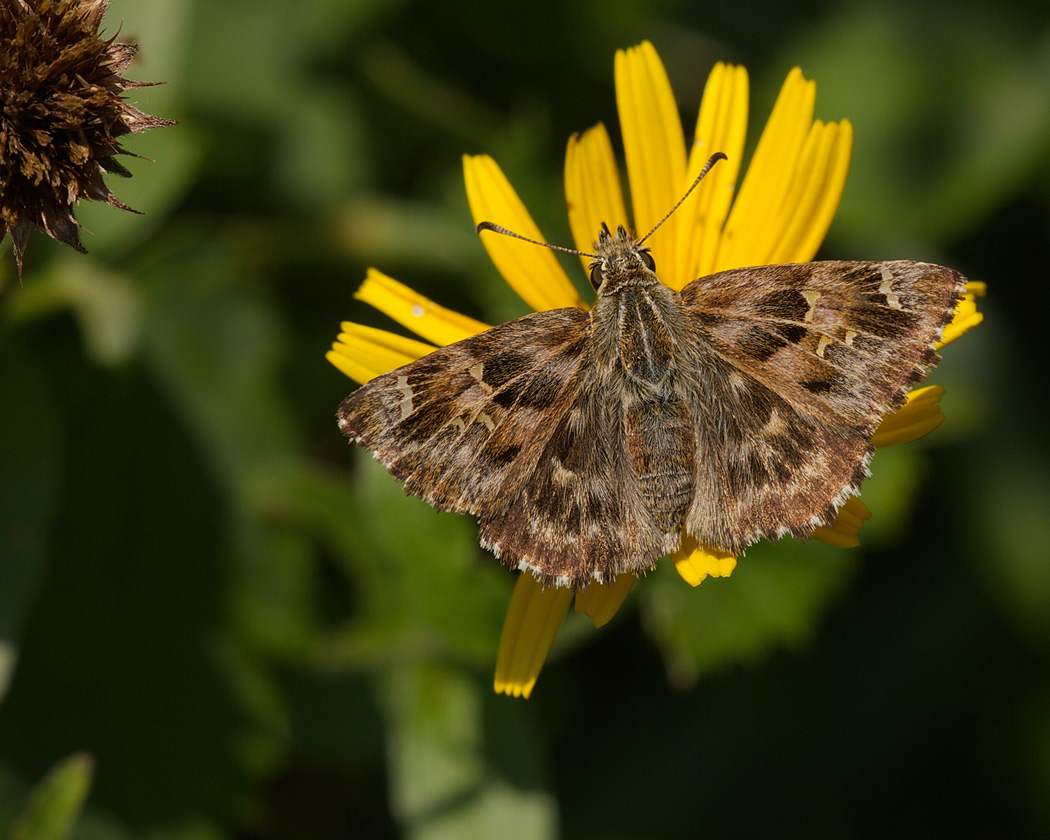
(797, 365)
(464, 426)
(581, 515)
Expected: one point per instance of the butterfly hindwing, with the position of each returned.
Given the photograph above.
(765, 468)
(582, 513)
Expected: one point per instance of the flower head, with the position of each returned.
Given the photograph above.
(61, 114)
(779, 214)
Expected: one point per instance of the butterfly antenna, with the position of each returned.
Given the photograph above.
(711, 161)
(500, 229)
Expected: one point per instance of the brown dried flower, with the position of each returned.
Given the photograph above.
(61, 113)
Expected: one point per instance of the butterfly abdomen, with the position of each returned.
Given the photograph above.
(661, 446)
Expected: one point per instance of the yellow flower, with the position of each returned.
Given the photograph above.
(780, 214)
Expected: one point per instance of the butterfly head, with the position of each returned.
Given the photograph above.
(620, 258)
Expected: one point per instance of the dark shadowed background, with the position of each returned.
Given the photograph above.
(256, 635)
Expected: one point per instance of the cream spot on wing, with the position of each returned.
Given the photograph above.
(562, 475)
(850, 335)
(459, 425)
(811, 299)
(406, 396)
(886, 288)
(737, 382)
(822, 345)
(775, 425)
(484, 418)
(478, 372)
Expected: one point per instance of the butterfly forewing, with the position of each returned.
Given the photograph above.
(462, 426)
(837, 340)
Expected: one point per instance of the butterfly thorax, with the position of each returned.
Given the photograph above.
(636, 319)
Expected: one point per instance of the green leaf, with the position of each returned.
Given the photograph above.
(443, 784)
(774, 598)
(29, 453)
(944, 134)
(107, 304)
(56, 802)
(1009, 511)
(427, 571)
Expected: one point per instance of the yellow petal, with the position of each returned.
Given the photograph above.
(919, 416)
(843, 532)
(600, 601)
(966, 315)
(532, 271)
(410, 309)
(532, 622)
(654, 146)
(815, 192)
(592, 188)
(720, 127)
(363, 353)
(695, 561)
(746, 239)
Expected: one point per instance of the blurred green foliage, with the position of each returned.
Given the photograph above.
(254, 634)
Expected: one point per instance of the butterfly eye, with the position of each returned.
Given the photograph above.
(596, 276)
(647, 258)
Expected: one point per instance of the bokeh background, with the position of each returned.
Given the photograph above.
(254, 633)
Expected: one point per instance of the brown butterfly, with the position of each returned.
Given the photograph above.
(587, 443)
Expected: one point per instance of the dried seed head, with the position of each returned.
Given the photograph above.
(61, 112)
